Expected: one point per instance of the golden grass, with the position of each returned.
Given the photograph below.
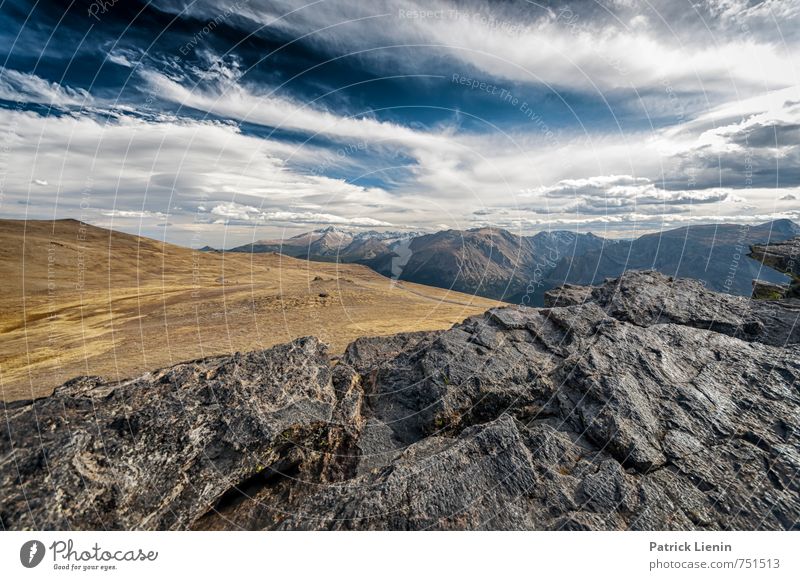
(80, 300)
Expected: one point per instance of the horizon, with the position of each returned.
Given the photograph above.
(205, 121)
(194, 243)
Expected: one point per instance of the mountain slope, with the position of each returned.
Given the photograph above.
(332, 244)
(714, 254)
(81, 300)
(492, 262)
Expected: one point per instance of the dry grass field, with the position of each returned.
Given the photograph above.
(80, 300)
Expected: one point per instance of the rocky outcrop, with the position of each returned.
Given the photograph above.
(646, 403)
(784, 257)
(648, 298)
(159, 451)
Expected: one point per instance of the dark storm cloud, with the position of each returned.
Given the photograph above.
(768, 135)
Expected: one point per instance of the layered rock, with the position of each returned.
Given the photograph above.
(159, 451)
(647, 298)
(646, 403)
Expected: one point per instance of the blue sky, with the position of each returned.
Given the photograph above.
(222, 122)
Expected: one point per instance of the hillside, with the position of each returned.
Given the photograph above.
(81, 300)
(493, 262)
(714, 254)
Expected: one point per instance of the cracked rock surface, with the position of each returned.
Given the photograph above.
(645, 403)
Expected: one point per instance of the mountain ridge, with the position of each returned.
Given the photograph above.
(499, 264)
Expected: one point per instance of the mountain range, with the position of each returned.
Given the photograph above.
(336, 399)
(501, 265)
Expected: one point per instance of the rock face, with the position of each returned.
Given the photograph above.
(646, 403)
(156, 452)
(648, 298)
(784, 257)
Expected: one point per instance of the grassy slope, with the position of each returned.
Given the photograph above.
(145, 304)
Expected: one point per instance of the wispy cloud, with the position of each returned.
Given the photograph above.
(30, 88)
(246, 214)
(709, 46)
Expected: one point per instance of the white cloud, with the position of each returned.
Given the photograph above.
(120, 213)
(231, 100)
(247, 214)
(29, 88)
(130, 168)
(121, 57)
(595, 185)
(713, 46)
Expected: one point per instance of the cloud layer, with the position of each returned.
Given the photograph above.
(237, 119)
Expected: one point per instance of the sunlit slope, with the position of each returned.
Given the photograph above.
(81, 300)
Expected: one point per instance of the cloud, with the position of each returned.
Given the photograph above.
(120, 213)
(29, 88)
(712, 46)
(597, 185)
(129, 168)
(245, 214)
(219, 95)
(618, 194)
(122, 57)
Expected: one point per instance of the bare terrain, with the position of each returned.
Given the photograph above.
(81, 300)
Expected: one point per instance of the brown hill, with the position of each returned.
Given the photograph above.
(81, 300)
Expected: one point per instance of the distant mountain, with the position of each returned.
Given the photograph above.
(496, 263)
(492, 262)
(372, 248)
(714, 254)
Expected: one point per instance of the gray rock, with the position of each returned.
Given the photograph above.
(479, 480)
(647, 298)
(158, 451)
(646, 403)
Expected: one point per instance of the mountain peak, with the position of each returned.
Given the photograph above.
(330, 230)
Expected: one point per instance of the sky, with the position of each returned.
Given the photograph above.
(222, 122)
